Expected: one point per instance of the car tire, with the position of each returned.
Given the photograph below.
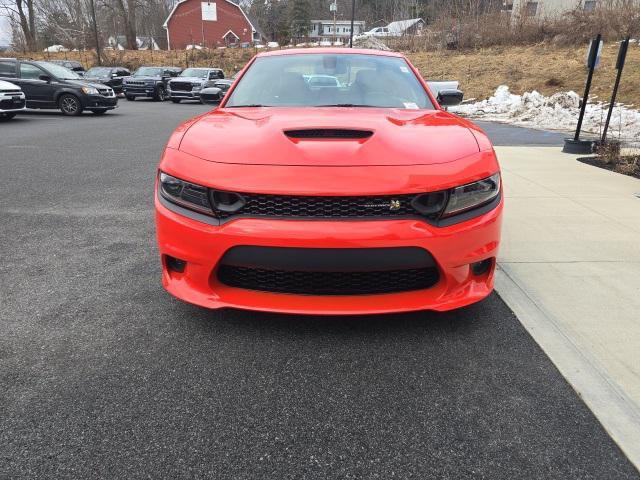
(131, 98)
(176, 100)
(70, 105)
(7, 116)
(99, 111)
(161, 94)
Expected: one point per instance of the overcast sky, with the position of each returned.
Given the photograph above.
(5, 33)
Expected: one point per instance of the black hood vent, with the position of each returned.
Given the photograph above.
(329, 133)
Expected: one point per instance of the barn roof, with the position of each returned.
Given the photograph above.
(401, 26)
(180, 2)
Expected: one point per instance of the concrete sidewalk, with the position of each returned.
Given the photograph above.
(570, 269)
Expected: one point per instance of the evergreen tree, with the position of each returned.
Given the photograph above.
(300, 18)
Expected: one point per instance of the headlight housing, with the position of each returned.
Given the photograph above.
(189, 195)
(90, 90)
(196, 86)
(472, 195)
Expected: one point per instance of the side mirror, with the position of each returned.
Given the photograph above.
(44, 78)
(450, 98)
(211, 95)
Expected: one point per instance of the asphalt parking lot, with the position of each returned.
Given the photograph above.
(104, 375)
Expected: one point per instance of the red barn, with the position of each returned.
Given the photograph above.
(209, 24)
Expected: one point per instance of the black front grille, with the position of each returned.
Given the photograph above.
(11, 105)
(181, 86)
(282, 206)
(328, 283)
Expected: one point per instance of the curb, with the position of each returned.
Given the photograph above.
(617, 413)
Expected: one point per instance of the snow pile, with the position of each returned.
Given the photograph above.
(557, 112)
(368, 41)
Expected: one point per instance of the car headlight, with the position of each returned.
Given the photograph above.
(90, 90)
(196, 86)
(472, 195)
(187, 194)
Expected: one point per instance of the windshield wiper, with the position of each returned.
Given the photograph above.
(345, 105)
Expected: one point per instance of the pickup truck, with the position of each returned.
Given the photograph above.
(190, 82)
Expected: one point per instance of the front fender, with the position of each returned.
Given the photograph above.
(72, 91)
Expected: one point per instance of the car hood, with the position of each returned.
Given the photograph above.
(85, 83)
(8, 86)
(188, 79)
(141, 79)
(256, 136)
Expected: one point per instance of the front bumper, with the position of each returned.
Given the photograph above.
(202, 246)
(139, 91)
(193, 95)
(99, 101)
(12, 103)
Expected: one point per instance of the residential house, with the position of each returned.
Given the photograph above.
(324, 29)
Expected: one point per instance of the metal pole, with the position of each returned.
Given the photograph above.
(353, 14)
(335, 11)
(593, 55)
(622, 55)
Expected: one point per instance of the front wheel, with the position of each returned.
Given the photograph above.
(131, 98)
(161, 94)
(99, 111)
(7, 116)
(70, 105)
(176, 100)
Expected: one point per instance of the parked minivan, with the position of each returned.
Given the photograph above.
(50, 86)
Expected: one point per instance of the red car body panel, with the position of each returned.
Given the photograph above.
(410, 151)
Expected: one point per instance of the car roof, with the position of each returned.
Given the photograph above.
(330, 50)
(160, 66)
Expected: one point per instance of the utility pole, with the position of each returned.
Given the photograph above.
(353, 15)
(334, 8)
(95, 30)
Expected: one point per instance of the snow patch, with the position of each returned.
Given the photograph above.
(557, 112)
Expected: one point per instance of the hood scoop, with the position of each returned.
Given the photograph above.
(328, 133)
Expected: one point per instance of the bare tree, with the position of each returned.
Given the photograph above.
(127, 11)
(25, 11)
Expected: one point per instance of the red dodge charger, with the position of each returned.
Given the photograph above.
(329, 181)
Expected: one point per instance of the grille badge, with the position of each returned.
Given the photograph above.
(393, 205)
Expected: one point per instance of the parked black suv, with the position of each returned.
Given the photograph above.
(47, 85)
(149, 82)
(111, 76)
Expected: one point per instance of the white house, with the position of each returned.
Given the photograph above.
(324, 28)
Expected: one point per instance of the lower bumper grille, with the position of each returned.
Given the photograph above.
(328, 283)
(10, 104)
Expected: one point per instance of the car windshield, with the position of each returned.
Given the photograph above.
(194, 72)
(59, 71)
(98, 72)
(148, 72)
(330, 80)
